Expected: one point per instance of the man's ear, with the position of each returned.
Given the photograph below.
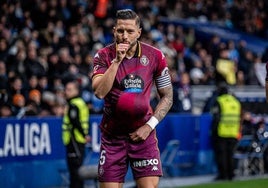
(139, 33)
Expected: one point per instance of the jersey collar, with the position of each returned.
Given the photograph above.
(138, 50)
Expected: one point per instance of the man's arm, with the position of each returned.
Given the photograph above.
(102, 84)
(165, 103)
(162, 108)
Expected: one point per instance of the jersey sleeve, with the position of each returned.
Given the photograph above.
(162, 77)
(99, 63)
(161, 64)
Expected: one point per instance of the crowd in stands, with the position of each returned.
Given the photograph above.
(43, 43)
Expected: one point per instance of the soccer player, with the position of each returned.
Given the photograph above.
(124, 73)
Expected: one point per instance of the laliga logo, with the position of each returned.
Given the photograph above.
(32, 139)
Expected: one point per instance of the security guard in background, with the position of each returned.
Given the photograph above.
(226, 119)
(75, 131)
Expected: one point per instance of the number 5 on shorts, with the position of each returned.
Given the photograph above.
(102, 157)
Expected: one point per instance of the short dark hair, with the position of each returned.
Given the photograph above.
(128, 14)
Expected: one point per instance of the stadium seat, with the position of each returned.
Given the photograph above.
(241, 155)
(249, 156)
(256, 158)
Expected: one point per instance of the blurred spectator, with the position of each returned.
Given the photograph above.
(53, 73)
(59, 91)
(32, 82)
(225, 68)
(190, 38)
(246, 64)
(196, 72)
(213, 48)
(15, 86)
(240, 78)
(257, 73)
(209, 71)
(5, 110)
(206, 66)
(33, 103)
(3, 49)
(40, 15)
(18, 106)
(233, 52)
(34, 66)
(17, 65)
(59, 107)
(4, 97)
(43, 83)
(3, 76)
(247, 127)
(47, 102)
(65, 60)
(86, 67)
(178, 44)
(182, 101)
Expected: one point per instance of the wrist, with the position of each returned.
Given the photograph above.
(152, 122)
(115, 61)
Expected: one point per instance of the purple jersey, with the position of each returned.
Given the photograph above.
(127, 105)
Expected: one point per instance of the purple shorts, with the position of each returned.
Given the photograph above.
(117, 154)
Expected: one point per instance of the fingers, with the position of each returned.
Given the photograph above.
(137, 139)
(134, 137)
(121, 50)
(122, 47)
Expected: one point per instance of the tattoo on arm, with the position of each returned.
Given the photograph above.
(165, 103)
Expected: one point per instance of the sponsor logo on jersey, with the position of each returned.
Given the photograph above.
(155, 168)
(144, 60)
(146, 162)
(132, 84)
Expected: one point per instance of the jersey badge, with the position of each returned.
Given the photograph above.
(144, 60)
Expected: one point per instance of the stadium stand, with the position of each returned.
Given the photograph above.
(57, 39)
